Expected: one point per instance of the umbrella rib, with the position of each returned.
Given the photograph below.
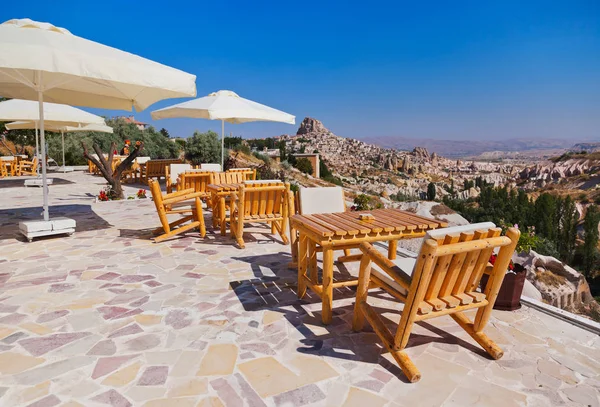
(24, 79)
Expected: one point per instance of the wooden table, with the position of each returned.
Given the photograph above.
(343, 230)
(219, 193)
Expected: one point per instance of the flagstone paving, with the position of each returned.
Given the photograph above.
(108, 318)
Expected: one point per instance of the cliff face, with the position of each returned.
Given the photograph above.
(368, 167)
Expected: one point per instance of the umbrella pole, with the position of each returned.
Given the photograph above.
(62, 133)
(37, 147)
(222, 145)
(43, 144)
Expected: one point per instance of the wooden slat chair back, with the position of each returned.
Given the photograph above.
(28, 167)
(4, 168)
(249, 173)
(321, 200)
(260, 201)
(227, 177)
(172, 172)
(198, 180)
(444, 281)
(156, 168)
(180, 202)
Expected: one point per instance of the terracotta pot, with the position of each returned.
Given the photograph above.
(510, 292)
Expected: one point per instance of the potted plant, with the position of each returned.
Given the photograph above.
(511, 289)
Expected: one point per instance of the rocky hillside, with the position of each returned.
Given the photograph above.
(386, 172)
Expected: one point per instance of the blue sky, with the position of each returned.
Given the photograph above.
(447, 70)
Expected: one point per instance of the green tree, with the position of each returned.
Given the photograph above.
(545, 216)
(304, 165)
(431, 191)
(203, 148)
(591, 258)
(567, 217)
(164, 132)
(282, 151)
(361, 202)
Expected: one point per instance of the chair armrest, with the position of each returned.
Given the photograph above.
(180, 196)
(395, 272)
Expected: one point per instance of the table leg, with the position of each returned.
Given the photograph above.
(312, 262)
(215, 210)
(294, 248)
(302, 264)
(392, 247)
(222, 215)
(326, 313)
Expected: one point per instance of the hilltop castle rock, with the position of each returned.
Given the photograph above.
(367, 168)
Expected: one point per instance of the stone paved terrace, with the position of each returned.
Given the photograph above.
(107, 317)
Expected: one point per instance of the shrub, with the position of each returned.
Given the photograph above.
(304, 165)
(286, 165)
(265, 158)
(361, 202)
(203, 148)
(242, 148)
(333, 180)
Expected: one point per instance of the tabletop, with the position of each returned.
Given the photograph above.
(389, 221)
(223, 187)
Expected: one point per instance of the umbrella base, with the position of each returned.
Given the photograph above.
(36, 182)
(38, 228)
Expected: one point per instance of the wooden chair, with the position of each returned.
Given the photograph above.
(175, 203)
(260, 201)
(172, 172)
(27, 167)
(316, 201)
(156, 168)
(198, 180)
(444, 280)
(249, 173)
(3, 170)
(226, 177)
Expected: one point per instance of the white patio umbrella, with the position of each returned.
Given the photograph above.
(226, 106)
(59, 115)
(60, 127)
(39, 61)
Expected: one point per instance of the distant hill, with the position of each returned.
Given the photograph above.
(588, 147)
(471, 148)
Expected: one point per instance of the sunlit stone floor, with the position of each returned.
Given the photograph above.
(107, 317)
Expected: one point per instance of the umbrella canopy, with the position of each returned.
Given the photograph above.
(59, 115)
(226, 106)
(39, 60)
(80, 72)
(59, 127)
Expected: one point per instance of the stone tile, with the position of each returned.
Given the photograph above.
(154, 376)
(583, 395)
(146, 320)
(35, 328)
(106, 365)
(113, 398)
(227, 393)
(103, 348)
(359, 398)
(171, 402)
(484, 393)
(48, 401)
(40, 346)
(189, 387)
(123, 376)
(219, 360)
(299, 397)
(187, 364)
(12, 363)
(52, 370)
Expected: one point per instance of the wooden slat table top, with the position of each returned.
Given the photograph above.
(223, 187)
(348, 223)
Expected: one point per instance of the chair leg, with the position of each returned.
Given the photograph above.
(482, 339)
(302, 265)
(362, 291)
(327, 312)
(200, 217)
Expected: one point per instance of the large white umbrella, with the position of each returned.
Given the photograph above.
(226, 106)
(59, 115)
(60, 127)
(39, 61)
